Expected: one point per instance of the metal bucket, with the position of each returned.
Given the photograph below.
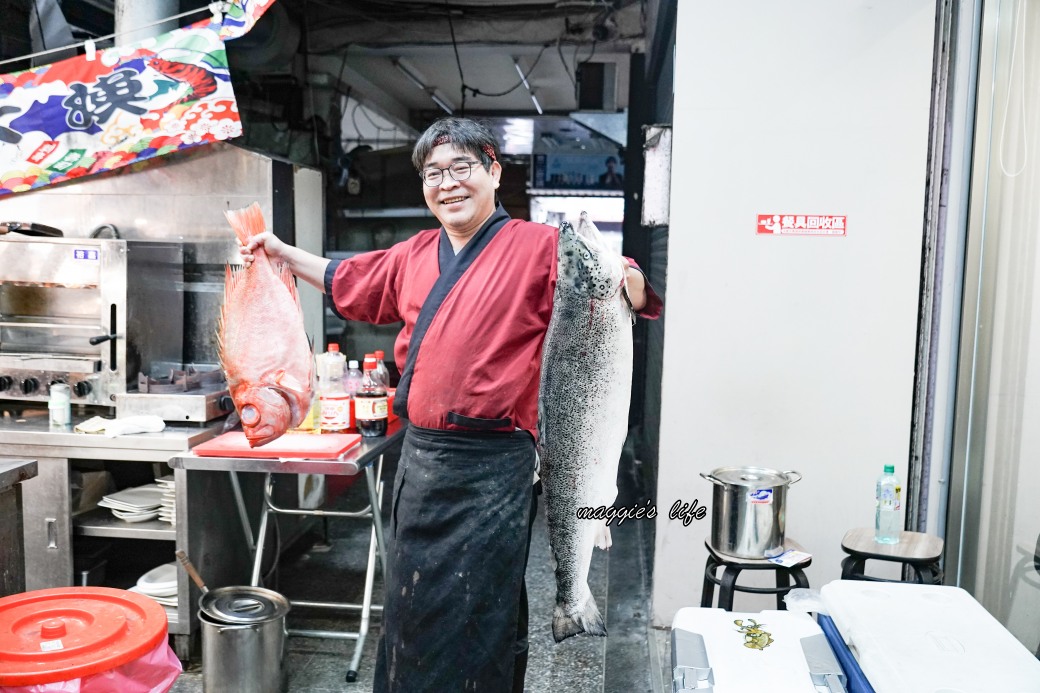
(747, 514)
(243, 640)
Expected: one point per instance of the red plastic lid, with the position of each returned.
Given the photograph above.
(333, 346)
(67, 633)
(380, 353)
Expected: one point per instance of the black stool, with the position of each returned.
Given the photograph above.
(915, 550)
(733, 567)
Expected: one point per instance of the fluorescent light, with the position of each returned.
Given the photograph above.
(448, 108)
(520, 71)
(534, 100)
(523, 79)
(409, 72)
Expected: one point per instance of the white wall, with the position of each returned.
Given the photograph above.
(791, 352)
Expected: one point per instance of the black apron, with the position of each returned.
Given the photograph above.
(459, 536)
(457, 551)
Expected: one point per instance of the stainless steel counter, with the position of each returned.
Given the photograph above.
(49, 525)
(350, 463)
(12, 554)
(30, 435)
(13, 471)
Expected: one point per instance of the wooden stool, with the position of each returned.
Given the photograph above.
(733, 567)
(915, 550)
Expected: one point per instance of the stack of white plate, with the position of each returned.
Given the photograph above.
(135, 504)
(161, 585)
(168, 507)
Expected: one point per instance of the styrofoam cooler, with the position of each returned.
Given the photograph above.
(736, 667)
(928, 639)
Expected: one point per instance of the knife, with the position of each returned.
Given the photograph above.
(29, 229)
(823, 665)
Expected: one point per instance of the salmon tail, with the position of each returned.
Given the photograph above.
(247, 222)
(587, 620)
(603, 538)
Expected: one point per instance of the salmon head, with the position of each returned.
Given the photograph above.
(266, 413)
(585, 264)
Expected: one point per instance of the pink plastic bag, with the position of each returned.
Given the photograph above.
(153, 672)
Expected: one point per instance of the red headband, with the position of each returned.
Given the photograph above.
(486, 148)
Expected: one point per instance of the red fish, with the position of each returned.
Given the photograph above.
(264, 349)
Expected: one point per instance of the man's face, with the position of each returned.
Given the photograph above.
(461, 206)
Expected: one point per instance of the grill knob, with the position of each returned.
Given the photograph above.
(30, 385)
(226, 403)
(6, 382)
(82, 388)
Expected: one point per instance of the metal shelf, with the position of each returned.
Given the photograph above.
(384, 213)
(100, 522)
(575, 192)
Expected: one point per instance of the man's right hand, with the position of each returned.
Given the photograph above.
(271, 244)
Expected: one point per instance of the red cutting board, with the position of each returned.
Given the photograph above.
(310, 446)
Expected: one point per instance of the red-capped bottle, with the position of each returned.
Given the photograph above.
(382, 372)
(370, 403)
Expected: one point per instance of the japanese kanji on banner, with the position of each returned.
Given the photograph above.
(94, 113)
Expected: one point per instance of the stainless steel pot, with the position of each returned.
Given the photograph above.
(243, 640)
(747, 514)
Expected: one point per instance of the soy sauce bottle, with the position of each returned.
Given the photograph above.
(370, 405)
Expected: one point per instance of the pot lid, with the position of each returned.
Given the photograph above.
(67, 633)
(754, 477)
(243, 605)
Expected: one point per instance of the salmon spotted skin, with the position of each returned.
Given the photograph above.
(264, 348)
(583, 399)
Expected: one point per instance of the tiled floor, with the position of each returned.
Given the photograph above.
(632, 659)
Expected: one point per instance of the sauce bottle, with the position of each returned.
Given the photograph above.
(370, 404)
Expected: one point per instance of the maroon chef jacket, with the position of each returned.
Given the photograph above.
(482, 353)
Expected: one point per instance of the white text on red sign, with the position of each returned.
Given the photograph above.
(801, 224)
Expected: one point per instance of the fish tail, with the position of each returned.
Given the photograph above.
(587, 620)
(602, 540)
(247, 222)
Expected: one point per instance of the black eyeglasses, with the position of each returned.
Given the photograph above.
(459, 171)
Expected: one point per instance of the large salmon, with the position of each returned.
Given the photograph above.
(263, 346)
(583, 402)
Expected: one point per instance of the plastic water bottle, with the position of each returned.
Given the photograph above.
(887, 518)
(352, 379)
(334, 402)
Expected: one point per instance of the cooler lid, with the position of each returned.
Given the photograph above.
(243, 605)
(67, 633)
(754, 477)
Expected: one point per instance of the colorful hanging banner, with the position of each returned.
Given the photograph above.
(240, 17)
(101, 111)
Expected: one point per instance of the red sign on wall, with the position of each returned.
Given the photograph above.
(801, 225)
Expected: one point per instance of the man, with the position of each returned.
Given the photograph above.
(475, 296)
(611, 179)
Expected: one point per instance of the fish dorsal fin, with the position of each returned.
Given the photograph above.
(286, 275)
(247, 222)
(232, 277)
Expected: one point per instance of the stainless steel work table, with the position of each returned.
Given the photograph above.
(367, 456)
(12, 544)
(49, 524)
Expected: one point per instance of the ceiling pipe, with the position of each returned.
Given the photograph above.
(133, 17)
